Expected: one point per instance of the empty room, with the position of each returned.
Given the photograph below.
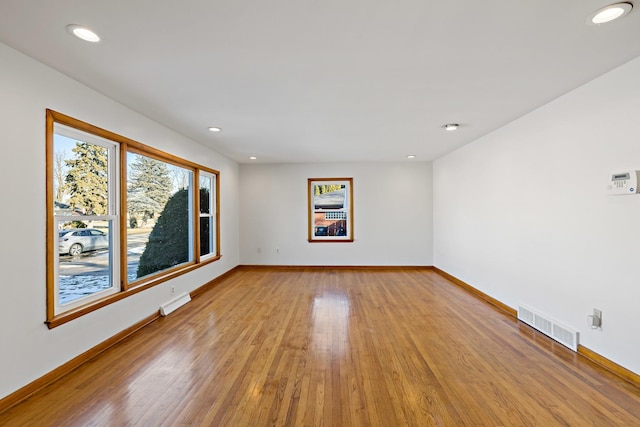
(419, 213)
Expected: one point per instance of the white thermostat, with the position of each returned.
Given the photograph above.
(624, 182)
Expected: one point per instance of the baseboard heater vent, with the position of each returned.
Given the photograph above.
(548, 326)
(174, 304)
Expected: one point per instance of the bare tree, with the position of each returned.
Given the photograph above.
(60, 189)
(180, 177)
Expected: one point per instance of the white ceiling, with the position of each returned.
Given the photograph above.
(316, 81)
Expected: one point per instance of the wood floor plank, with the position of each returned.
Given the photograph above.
(334, 347)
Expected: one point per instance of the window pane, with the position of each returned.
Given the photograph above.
(159, 206)
(205, 194)
(84, 174)
(80, 176)
(207, 214)
(85, 258)
(206, 227)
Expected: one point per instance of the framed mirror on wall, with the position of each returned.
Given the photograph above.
(330, 209)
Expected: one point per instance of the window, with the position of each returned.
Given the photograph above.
(330, 209)
(85, 217)
(121, 217)
(159, 214)
(208, 222)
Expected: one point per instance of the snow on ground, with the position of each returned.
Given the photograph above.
(74, 287)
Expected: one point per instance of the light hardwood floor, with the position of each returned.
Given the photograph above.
(329, 347)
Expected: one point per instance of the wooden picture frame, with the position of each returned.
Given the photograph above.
(330, 209)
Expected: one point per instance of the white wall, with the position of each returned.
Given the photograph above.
(523, 214)
(28, 348)
(392, 214)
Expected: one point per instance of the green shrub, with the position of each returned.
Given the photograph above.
(168, 243)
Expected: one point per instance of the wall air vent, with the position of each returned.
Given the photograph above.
(548, 326)
(174, 304)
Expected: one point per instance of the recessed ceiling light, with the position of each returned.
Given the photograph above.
(451, 126)
(214, 129)
(609, 13)
(83, 33)
(411, 156)
(252, 158)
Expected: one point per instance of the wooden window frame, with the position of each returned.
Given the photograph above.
(213, 212)
(312, 236)
(126, 145)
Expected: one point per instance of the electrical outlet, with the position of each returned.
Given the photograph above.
(173, 290)
(259, 250)
(277, 250)
(594, 321)
(597, 313)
